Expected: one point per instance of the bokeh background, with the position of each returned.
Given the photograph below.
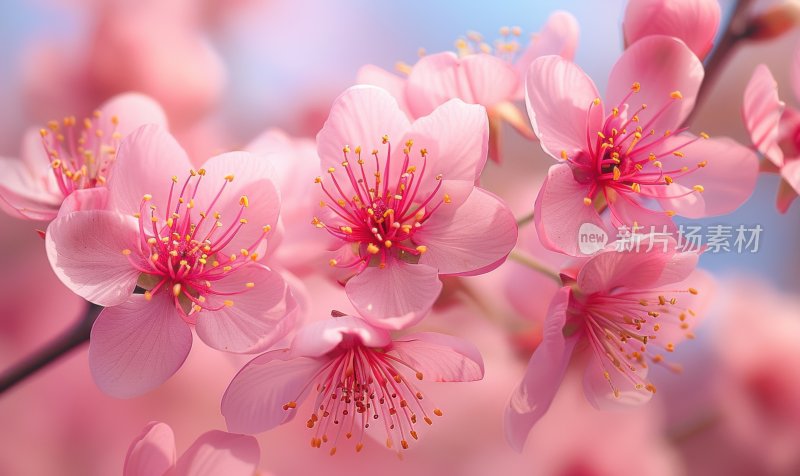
(225, 71)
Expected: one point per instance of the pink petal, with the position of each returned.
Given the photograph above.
(787, 193)
(319, 338)
(544, 374)
(137, 345)
(440, 357)
(762, 110)
(23, 195)
(219, 453)
(360, 116)
(133, 110)
(601, 395)
(394, 297)
(84, 199)
(560, 213)
(392, 83)
(85, 251)
(252, 178)
(476, 79)
(147, 160)
(152, 453)
(693, 21)
(628, 209)
(558, 94)
(790, 173)
(558, 36)
(795, 72)
(479, 233)
(728, 179)
(457, 138)
(259, 317)
(635, 269)
(255, 397)
(662, 65)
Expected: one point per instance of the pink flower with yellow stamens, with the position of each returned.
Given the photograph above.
(407, 214)
(191, 239)
(478, 73)
(359, 379)
(631, 155)
(617, 314)
(71, 159)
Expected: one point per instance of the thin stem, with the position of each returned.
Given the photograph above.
(525, 219)
(530, 262)
(62, 345)
(735, 30)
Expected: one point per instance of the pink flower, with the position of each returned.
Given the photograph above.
(693, 21)
(296, 163)
(477, 74)
(775, 130)
(405, 216)
(214, 453)
(757, 386)
(71, 156)
(615, 306)
(360, 377)
(186, 238)
(633, 155)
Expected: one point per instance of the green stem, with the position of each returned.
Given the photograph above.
(525, 219)
(527, 260)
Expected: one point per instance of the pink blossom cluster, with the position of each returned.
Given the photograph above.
(331, 280)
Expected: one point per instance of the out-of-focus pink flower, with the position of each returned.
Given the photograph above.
(71, 156)
(478, 74)
(693, 21)
(615, 306)
(361, 378)
(214, 453)
(185, 237)
(633, 155)
(407, 214)
(296, 163)
(775, 131)
(758, 389)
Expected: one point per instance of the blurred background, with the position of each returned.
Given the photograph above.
(226, 71)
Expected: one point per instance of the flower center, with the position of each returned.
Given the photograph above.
(619, 327)
(180, 250)
(380, 216)
(627, 155)
(81, 155)
(359, 387)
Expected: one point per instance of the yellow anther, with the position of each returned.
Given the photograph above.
(346, 149)
(587, 201)
(228, 303)
(201, 172)
(387, 243)
(699, 188)
(636, 87)
(676, 95)
(704, 135)
(564, 155)
(126, 252)
(333, 262)
(148, 295)
(596, 101)
(372, 249)
(667, 179)
(229, 178)
(636, 187)
(331, 170)
(385, 138)
(192, 172)
(702, 164)
(616, 173)
(693, 291)
(422, 249)
(678, 153)
(447, 198)
(176, 290)
(243, 201)
(658, 164)
(174, 179)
